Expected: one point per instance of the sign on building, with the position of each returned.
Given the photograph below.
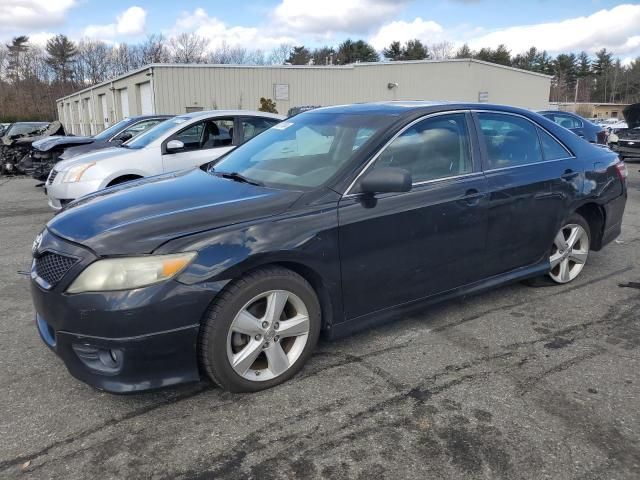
(281, 91)
(483, 97)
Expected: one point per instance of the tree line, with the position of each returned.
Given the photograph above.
(33, 77)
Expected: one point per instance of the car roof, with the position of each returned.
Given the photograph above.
(560, 111)
(222, 113)
(144, 117)
(402, 108)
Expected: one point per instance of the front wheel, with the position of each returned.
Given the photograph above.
(260, 331)
(570, 250)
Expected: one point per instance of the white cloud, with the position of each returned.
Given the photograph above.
(347, 16)
(615, 29)
(33, 14)
(131, 22)
(40, 38)
(217, 32)
(426, 31)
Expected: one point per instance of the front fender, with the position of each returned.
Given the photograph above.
(307, 239)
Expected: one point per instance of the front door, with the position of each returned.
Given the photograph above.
(396, 248)
(203, 142)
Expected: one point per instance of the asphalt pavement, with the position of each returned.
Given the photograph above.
(520, 382)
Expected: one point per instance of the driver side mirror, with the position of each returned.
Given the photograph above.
(174, 146)
(123, 137)
(386, 180)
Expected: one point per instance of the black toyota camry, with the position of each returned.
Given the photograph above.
(332, 221)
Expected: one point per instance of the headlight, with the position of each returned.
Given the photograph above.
(129, 272)
(74, 174)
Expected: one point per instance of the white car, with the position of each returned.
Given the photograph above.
(180, 143)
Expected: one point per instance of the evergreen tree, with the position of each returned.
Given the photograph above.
(358, 51)
(394, 51)
(16, 52)
(299, 56)
(464, 52)
(61, 56)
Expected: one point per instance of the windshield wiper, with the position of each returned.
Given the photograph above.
(237, 177)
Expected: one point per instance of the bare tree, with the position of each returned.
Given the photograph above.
(188, 48)
(280, 54)
(154, 50)
(442, 51)
(92, 63)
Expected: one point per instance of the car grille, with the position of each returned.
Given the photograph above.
(51, 267)
(52, 176)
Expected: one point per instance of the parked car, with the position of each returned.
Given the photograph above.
(233, 272)
(580, 126)
(16, 143)
(626, 141)
(46, 152)
(183, 142)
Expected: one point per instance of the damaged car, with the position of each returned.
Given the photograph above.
(626, 141)
(45, 153)
(16, 143)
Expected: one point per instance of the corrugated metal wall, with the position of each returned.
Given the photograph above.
(176, 88)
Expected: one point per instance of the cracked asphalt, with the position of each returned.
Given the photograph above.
(521, 382)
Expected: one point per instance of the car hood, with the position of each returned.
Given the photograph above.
(94, 156)
(632, 115)
(49, 143)
(139, 216)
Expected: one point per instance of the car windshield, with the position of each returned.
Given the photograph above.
(112, 130)
(22, 128)
(154, 133)
(304, 151)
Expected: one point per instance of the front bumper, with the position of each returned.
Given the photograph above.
(60, 193)
(121, 341)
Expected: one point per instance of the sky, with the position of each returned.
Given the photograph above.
(552, 25)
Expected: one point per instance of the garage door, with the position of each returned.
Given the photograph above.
(146, 102)
(105, 112)
(124, 103)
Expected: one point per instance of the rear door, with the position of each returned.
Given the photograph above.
(529, 189)
(203, 141)
(400, 247)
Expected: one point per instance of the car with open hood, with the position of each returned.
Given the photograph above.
(626, 141)
(331, 221)
(46, 152)
(182, 142)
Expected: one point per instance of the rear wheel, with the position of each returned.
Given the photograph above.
(570, 250)
(260, 331)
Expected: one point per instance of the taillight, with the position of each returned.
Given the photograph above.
(621, 168)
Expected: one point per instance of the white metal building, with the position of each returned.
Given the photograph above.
(179, 88)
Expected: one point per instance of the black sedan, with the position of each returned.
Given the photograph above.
(580, 126)
(332, 221)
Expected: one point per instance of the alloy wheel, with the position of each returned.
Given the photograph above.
(569, 253)
(268, 335)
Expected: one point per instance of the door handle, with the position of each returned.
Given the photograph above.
(569, 175)
(472, 197)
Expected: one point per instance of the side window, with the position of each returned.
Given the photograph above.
(510, 140)
(551, 148)
(566, 121)
(191, 136)
(218, 133)
(252, 126)
(437, 147)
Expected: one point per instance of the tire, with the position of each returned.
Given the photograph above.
(570, 250)
(238, 352)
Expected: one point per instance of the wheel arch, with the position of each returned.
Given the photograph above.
(595, 216)
(124, 178)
